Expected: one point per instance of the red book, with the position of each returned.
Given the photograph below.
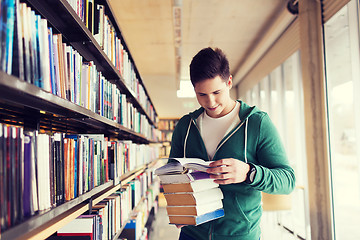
(66, 169)
(79, 227)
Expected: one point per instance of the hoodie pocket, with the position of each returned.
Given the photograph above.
(235, 222)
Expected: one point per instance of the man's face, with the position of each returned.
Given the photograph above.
(214, 96)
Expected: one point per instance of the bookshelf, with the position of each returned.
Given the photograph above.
(25, 103)
(30, 107)
(61, 15)
(166, 127)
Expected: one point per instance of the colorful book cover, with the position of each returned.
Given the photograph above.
(35, 21)
(183, 178)
(72, 170)
(66, 169)
(197, 220)
(18, 64)
(10, 23)
(60, 56)
(81, 164)
(76, 165)
(51, 59)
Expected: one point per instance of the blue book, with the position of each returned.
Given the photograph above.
(39, 82)
(51, 56)
(3, 19)
(9, 35)
(196, 220)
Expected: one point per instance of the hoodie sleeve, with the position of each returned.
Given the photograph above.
(274, 174)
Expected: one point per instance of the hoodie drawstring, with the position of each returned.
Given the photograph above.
(187, 134)
(246, 132)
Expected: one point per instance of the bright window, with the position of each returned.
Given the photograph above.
(280, 95)
(342, 73)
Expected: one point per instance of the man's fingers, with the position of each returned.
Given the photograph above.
(224, 181)
(221, 162)
(223, 176)
(218, 170)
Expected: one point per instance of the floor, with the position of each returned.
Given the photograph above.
(161, 229)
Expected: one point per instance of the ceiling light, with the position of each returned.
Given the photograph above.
(186, 90)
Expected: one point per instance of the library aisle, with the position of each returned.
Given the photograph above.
(160, 228)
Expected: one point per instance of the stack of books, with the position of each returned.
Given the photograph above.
(192, 196)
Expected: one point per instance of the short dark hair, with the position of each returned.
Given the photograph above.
(209, 63)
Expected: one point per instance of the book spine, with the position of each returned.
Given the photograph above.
(76, 167)
(52, 173)
(2, 178)
(10, 23)
(34, 49)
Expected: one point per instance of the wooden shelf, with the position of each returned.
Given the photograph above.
(61, 15)
(27, 100)
(48, 222)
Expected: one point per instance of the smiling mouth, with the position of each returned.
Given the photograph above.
(212, 109)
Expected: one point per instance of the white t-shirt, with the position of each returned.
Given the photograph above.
(212, 130)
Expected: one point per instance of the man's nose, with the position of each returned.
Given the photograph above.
(211, 100)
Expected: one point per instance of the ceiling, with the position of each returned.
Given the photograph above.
(235, 26)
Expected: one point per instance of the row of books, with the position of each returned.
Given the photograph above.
(165, 149)
(166, 136)
(99, 24)
(102, 222)
(192, 197)
(31, 51)
(135, 227)
(167, 124)
(106, 218)
(39, 171)
(125, 156)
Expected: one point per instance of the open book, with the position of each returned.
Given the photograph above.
(182, 165)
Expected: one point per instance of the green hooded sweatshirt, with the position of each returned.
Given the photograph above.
(242, 201)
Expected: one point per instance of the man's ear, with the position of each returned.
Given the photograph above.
(229, 82)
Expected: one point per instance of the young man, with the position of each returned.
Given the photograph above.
(246, 150)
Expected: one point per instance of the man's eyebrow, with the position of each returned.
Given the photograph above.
(208, 93)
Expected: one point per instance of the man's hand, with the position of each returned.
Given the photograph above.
(228, 170)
